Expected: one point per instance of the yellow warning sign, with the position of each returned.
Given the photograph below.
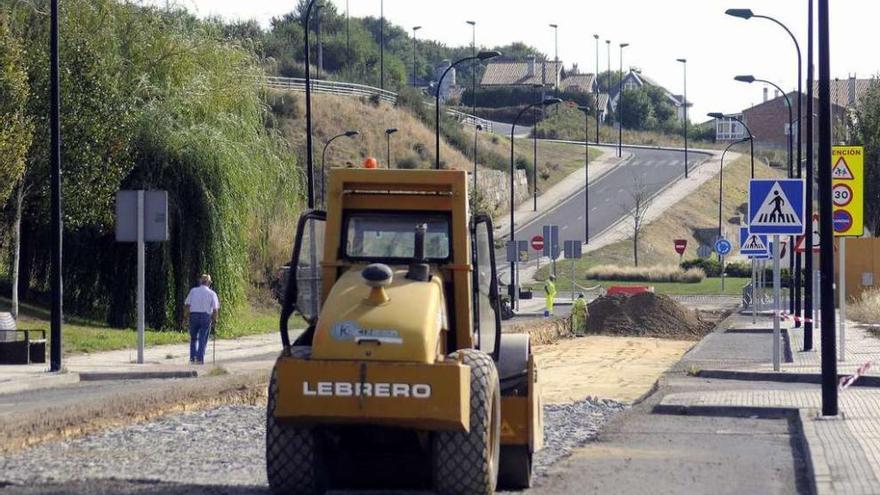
(848, 190)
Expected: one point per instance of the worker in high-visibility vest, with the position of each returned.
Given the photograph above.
(550, 291)
(579, 315)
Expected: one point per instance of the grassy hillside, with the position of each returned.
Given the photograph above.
(413, 145)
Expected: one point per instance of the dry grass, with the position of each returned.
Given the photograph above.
(332, 115)
(698, 210)
(866, 309)
(657, 273)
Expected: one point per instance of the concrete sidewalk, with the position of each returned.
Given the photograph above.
(165, 361)
(843, 452)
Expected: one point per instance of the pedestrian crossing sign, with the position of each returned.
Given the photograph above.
(752, 244)
(776, 206)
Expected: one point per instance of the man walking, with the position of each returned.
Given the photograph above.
(202, 307)
(550, 291)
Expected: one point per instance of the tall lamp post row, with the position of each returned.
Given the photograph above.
(620, 103)
(795, 302)
(546, 102)
(349, 134)
(685, 105)
(481, 57)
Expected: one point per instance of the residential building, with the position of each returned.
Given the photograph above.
(635, 79)
(768, 121)
(524, 73)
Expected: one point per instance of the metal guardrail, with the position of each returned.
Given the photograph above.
(351, 89)
(331, 87)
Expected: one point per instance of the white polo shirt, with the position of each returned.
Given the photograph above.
(202, 299)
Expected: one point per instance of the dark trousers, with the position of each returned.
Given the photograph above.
(199, 329)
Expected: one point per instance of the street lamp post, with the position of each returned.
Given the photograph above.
(388, 133)
(55, 179)
(555, 60)
(597, 92)
(382, 44)
(586, 111)
(795, 303)
(829, 344)
(721, 116)
(721, 182)
(480, 56)
(544, 103)
(808, 257)
(721, 201)
(685, 104)
(318, 36)
(350, 134)
(753, 79)
(414, 30)
(620, 104)
(535, 153)
(477, 127)
(310, 170)
(794, 261)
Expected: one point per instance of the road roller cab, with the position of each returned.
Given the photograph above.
(403, 357)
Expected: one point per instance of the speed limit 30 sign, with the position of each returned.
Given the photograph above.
(841, 195)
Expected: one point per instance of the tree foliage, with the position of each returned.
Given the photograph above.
(16, 131)
(866, 132)
(153, 99)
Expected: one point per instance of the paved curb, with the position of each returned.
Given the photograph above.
(781, 377)
(136, 375)
(43, 382)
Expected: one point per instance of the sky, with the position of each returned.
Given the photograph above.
(717, 46)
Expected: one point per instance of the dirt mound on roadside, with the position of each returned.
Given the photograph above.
(644, 315)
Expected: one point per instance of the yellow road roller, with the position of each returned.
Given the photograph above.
(403, 372)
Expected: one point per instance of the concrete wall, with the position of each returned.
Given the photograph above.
(494, 189)
(862, 265)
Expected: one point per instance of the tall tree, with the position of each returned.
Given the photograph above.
(16, 135)
(865, 125)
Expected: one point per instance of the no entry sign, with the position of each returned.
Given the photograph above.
(680, 246)
(538, 243)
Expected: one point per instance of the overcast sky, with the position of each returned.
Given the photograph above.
(717, 46)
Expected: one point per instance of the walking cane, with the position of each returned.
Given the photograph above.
(214, 331)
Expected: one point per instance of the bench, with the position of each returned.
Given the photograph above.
(17, 346)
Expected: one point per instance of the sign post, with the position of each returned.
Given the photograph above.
(141, 217)
(551, 243)
(572, 251)
(776, 207)
(538, 245)
(848, 211)
(723, 248)
(680, 248)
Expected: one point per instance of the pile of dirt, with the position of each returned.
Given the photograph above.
(644, 315)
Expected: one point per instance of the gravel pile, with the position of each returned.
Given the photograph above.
(200, 452)
(569, 426)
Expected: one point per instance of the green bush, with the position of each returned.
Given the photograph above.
(710, 266)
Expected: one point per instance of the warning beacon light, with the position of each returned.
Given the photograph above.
(370, 162)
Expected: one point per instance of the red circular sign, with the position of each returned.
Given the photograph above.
(538, 243)
(681, 246)
(842, 195)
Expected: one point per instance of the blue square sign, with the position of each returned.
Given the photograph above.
(776, 206)
(752, 244)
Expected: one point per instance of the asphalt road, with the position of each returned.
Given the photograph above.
(612, 196)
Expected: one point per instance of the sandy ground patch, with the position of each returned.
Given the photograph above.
(618, 368)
